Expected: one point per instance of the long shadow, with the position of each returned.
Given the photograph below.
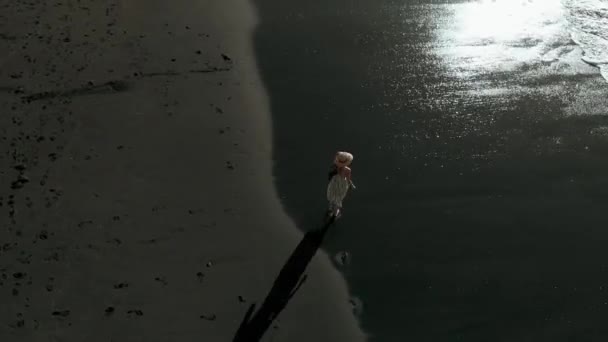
(288, 282)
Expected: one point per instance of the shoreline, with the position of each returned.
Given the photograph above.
(157, 203)
(477, 153)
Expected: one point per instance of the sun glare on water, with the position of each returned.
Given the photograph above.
(504, 20)
(486, 35)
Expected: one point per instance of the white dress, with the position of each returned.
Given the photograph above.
(337, 189)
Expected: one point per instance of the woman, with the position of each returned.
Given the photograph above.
(339, 182)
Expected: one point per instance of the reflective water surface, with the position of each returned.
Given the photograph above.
(479, 136)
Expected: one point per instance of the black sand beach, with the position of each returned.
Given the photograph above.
(136, 188)
(479, 162)
(155, 154)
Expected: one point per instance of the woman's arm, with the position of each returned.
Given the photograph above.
(349, 177)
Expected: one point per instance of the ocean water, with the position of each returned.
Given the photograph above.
(503, 35)
(588, 21)
(481, 194)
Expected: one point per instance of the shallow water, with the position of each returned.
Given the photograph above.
(480, 171)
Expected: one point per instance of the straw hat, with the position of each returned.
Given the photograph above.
(343, 159)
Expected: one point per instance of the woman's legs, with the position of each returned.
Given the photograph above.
(334, 209)
(338, 211)
(330, 209)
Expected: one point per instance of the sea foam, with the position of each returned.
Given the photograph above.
(588, 21)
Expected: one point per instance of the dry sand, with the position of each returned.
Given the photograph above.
(136, 189)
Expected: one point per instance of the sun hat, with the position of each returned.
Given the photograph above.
(343, 159)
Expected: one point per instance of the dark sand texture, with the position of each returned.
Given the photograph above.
(136, 188)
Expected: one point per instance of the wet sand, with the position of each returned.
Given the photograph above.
(479, 162)
(136, 188)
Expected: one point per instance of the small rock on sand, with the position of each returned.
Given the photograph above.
(135, 312)
(342, 258)
(121, 285)
(210, 317)
(357, 305)
(62, 313)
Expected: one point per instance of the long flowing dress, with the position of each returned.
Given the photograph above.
(338, 187)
